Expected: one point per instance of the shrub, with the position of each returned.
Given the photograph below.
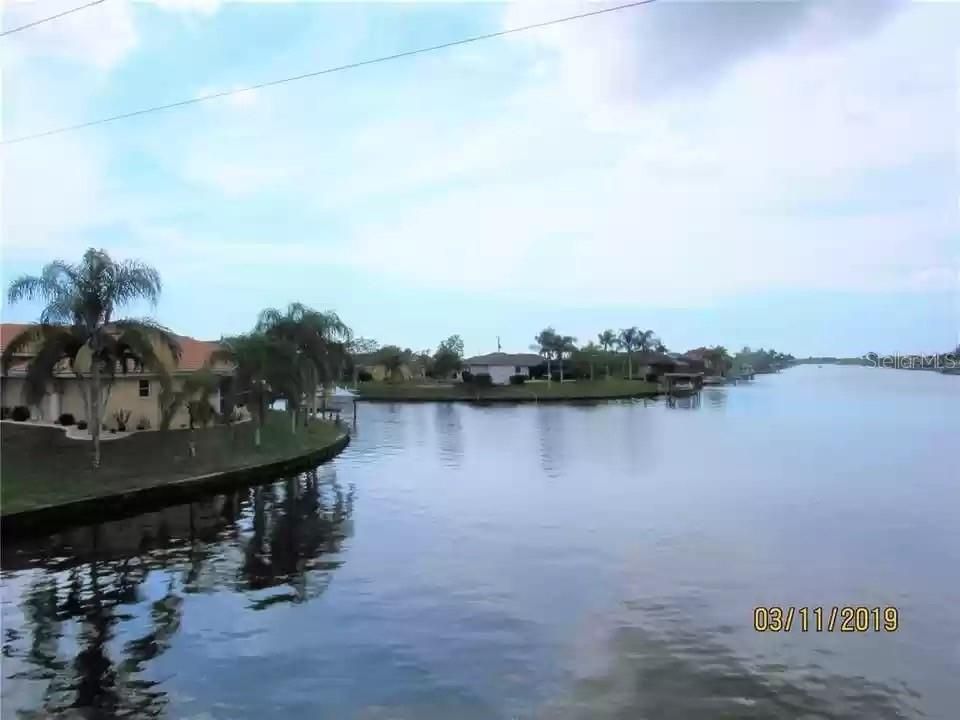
(482, 380)
(466, 376)
(4, 413)
(66, 419)
(82, 425)
(20, 413)
(143, 423)
(364, 376)
(518, 379)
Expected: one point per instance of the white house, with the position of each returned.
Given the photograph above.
(500, 366)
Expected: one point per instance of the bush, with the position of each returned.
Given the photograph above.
(20, 413)
(4, 413)
(364, 376)
(82, 425)
(66, 419)
(143, 423)
(466, 376)
(518, 379)
(482, 380)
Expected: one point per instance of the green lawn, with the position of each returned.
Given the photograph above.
(530, 391)
(40, 466)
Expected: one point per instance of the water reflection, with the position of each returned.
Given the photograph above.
(691, 402)
(550, 426)
(661, 664)
(449, 433)
(108, 600)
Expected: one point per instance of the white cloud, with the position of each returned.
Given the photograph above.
(100, 36)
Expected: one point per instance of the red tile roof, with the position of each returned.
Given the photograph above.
(193, 353)
(8, 331)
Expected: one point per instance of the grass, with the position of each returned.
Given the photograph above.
(40, 466)
(539, 391)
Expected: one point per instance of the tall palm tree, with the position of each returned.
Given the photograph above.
(629, 340)
(265, 368)
(321, 339)
(77, 327)
(563, 346)
(607, 340)
(545, 344)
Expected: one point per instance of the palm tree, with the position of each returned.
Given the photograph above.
(545, 344)
(266, 368)
(77, 327)
(195, 392)
(629, 340)
(321, 339)
(607, 340)
(563, 346)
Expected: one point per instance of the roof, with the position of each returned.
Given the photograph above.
(500, 358)
(654, 358)
(8, 331)
(193, 353)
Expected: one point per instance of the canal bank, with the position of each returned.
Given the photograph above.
(48, 481)
(530, 392)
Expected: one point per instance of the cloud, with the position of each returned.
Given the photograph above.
(652, 51)
(100, 36)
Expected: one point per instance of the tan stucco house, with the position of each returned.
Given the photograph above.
(138, 392)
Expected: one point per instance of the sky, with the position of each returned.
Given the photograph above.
(767, 173)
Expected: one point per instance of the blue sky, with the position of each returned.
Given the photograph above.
(760, 173)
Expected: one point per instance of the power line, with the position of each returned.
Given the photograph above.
(52, 17)
(325, 71)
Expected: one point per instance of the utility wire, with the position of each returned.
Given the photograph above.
(325, 71)
(52, 17)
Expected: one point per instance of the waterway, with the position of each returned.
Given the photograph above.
(556, 561)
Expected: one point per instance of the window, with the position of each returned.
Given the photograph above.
(518, 370)
(144, 388)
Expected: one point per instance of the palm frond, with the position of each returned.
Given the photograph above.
(56, 343)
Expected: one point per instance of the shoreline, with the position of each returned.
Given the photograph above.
(115, 503)
(574, 391)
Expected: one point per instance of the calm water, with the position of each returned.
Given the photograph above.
(597, 561)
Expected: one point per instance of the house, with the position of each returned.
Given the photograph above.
(137, 391)
(652, 365)
(500, 366)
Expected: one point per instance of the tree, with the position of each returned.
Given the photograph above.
(449, 356)
(320, 338)
(607, 340)
(546, 343)
(393, 359)
(719, 358)
(195, 392)
(77, 327)
(630, 339)
(266, 368)
(563, 346)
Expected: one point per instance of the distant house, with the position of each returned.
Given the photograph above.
(137, 391)
(500, 366)
(653, 365)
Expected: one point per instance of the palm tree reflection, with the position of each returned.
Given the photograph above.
(295, 532)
